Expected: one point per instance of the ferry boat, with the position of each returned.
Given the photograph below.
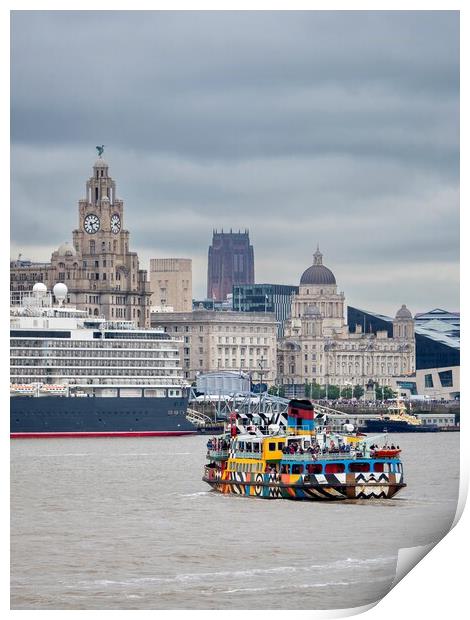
(305, 461)
(73, 375)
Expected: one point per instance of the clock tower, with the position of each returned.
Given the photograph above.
(107, 279)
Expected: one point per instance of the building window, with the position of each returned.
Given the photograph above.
(446, 378)
(428, 381)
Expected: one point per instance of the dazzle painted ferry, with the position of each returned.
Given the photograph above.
(73, 375)
(304, 461)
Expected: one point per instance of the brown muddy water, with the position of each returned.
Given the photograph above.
(127, 523)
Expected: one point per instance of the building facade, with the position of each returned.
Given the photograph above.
(437, 341)
(275, 298)
(171, 283)
(318, 347)
(218, 341)
(102, 274)
(25, 273)
(230, 261)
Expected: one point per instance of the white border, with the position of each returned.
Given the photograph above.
(438, 586)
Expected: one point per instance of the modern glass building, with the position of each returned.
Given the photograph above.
(437, 335)
(265, 298)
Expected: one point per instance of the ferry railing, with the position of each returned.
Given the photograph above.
(217, 454)
(248, 455)
(317, 456)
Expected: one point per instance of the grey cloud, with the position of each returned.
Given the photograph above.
(341, 127)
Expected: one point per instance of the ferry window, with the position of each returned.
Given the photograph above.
(280, 445)
(378, 467)
(314, 468)
(334, 468)
(272, 445)
(297, 469)
(248, 446)
(359, 467)
(241, 446)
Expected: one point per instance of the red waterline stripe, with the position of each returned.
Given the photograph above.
(101, 434)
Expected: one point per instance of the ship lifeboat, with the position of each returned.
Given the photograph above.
(386, 453)
(54, 389)
(22, 388)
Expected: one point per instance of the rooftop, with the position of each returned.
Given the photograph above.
(436, 325)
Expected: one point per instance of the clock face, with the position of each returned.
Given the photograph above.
(91, 224)
(115, 223)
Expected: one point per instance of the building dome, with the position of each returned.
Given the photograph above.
(317, 274)
(312, 311)
(100, 163)
(66, 249)
(403, 313)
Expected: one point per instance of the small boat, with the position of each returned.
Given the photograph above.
(398, 420)
(26, 389)
(302, 461)
(386, 453)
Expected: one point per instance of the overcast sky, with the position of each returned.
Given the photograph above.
(334, 127)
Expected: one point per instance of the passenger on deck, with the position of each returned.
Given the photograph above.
(209, 444)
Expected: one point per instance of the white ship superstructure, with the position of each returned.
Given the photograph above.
(63, 346)
(57, 351)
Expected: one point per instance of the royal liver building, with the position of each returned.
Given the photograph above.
(318, 347)
(101, 273)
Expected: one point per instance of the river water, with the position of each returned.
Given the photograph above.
(128, 524)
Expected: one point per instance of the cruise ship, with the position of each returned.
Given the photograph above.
(73, 375)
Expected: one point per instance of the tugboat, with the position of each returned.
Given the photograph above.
(398, 420)
(304, 461)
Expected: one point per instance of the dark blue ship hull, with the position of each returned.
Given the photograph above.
(396, 426)
(64, 416)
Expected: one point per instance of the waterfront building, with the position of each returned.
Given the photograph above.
(216, 341)
(24, 274)
(101, 272)
(318, 347)
(437, 342)
(171, 283)
(230, 261)
(213, 304)
(275, 298)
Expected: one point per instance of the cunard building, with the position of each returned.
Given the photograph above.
(318, 346)
(102, 274)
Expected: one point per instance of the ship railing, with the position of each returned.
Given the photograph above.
(217, 454)
(197, 418)
(321, 456)
(248, 455)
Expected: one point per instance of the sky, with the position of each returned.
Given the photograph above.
(338, 128)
